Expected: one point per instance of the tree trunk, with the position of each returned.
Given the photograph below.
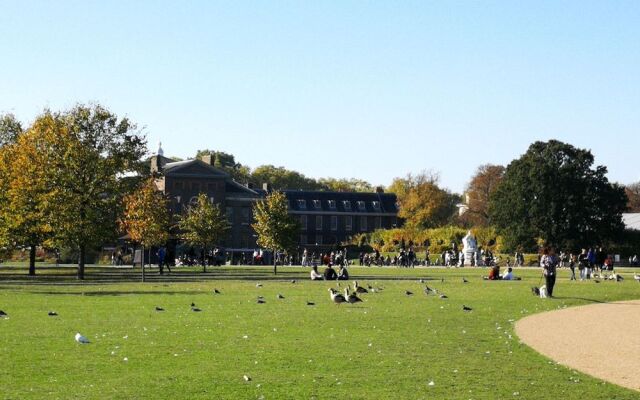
(81, 261)
(32, 260)
(275, 263)
(141, 260)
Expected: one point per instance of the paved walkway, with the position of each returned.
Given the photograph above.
(602, 340)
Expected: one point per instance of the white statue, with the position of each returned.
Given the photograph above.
(470, 246)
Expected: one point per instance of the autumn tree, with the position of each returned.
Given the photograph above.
(633, 194)
(422, 203)
(203, 224)
(276, 229)
(10, 129)
(146, 217)
(479, 190)
(91, 158)
(553, 194)
(26, 190)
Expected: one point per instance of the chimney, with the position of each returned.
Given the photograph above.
(379, 189)
(249, 185)
(209, 159)
(266, 187)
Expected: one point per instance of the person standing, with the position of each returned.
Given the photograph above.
(162, 254)
(549, 263)
(572, 266)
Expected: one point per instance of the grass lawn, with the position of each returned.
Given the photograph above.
(389, 347)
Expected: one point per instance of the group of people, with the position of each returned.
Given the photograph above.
(334, 258)
(589, 262)
(329, 274)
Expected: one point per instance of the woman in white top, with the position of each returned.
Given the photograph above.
(315, 275)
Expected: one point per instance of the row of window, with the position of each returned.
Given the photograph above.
(317, 204)
(196, 186)
(348, 223)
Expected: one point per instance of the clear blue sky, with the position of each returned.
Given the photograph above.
(366, 89)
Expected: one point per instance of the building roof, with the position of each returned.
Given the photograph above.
(631, 221)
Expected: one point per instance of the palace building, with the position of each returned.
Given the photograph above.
(326, 218)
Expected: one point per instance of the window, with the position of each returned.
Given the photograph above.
(361, 206)
(230, 214)
(334, 223)
(376, 205)
(246, 214)
(332, 204)
(378, 222)
(363, 223)
(303, 222)
(348, 223)
(195, 186)
(302, 204)
(303, 239)
(317, 204)
(318, 222)
(347, 205)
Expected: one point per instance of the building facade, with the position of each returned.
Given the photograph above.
(326, 218)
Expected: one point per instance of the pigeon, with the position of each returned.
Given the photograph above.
(444, 296)
(193, 304)
(293, 281)
(310, 303)
(359, 289)
(408, 293)
(260, 301)
(52, 314)
(3, 314)
(596, 281)
(216, 291)
(464, 280)
(195, 309)
(370, 288)
(280, 296)
(352, 298)
(258, 285)
(428, 290)
(336, 297)
(421, 281)
(159, 308)
(636, 277)
(465, 308)
(247, 378)
(81, 339)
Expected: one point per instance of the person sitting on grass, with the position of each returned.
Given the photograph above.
(494, 273)
(315, 275)
(343, 274)
(508, 276)
(330, 273)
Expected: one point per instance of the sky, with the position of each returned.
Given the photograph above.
(365, 89)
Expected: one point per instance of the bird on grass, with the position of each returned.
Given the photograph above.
(216, 291)
(408, 293)
(310, 303)
(359, 289)
(195, 309)
(636, 277)
(159, 308)
(444, 296)
(466, 308)
(52, 314)
(258, 285)
(596, 281)
(3, 314)
(293, 281)
(420, 281)
(193, 304)
(336, 297)
(352, 298)
(261, 300)
(428, 290)
(280, 296)
(464, 280)
(81, 339)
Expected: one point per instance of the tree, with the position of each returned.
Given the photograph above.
(345, 185)
(423, 204)
(10, 129)
(479, 190)
(25, 190)
(227, 163)
(146, 217)
(554, 195)
(280, 178)
(91, 158)
(276, 229)
(203, 224)
(633, 193)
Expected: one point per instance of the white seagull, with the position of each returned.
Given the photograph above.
(81, 339)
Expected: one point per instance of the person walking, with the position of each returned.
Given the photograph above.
(549, 263)
(572, 266)
(162, 254)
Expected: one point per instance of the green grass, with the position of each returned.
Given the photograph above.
(390, 347)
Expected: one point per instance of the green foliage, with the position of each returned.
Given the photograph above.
(10, 129)
(227, 163)
(280, 178)
(276, 229)
(203, 224)
(553, 195)
(345, 185)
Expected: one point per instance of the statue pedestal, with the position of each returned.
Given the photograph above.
(469, 256)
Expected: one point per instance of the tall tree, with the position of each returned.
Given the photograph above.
(10, 129)
(479, 190)
(553, 194)
(203, 224)
(227, 163)
(25, 190)
(92, 158)
(146, 217)
(280, 178)
(276, 229)
(423, 204)
(345, 185)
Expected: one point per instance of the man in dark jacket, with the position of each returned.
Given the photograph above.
(330, 273)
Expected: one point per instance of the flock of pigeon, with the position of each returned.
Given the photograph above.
(335, 295)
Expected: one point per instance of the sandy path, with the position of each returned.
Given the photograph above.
(602, 340)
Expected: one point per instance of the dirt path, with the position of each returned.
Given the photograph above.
(602, 340)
